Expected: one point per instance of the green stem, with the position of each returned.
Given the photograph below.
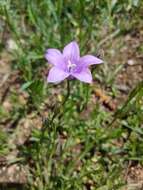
(57, 111)
(68, 93)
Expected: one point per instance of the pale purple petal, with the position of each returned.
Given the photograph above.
(55, 57)
(54, 51)
(56, 75)
(88, 60)
(84, 75)
(71, 51)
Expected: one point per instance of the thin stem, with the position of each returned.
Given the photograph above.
(68, 93)
(57, 110)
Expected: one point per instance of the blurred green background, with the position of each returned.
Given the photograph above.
(97, 139)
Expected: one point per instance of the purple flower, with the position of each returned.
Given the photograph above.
(70, 64)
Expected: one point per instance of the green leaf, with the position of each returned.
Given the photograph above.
(26, 85)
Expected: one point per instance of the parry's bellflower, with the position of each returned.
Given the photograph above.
(70, 64)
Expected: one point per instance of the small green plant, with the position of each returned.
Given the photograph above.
(76, 142)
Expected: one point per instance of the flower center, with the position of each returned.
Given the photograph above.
(71, 66)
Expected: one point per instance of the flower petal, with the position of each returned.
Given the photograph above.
(71, 51)
(84, 75)
(55, 57)
(88, 60)
(56, 75)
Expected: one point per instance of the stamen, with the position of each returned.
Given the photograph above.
(71, 66)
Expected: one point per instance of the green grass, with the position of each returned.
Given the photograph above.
(85, 146)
